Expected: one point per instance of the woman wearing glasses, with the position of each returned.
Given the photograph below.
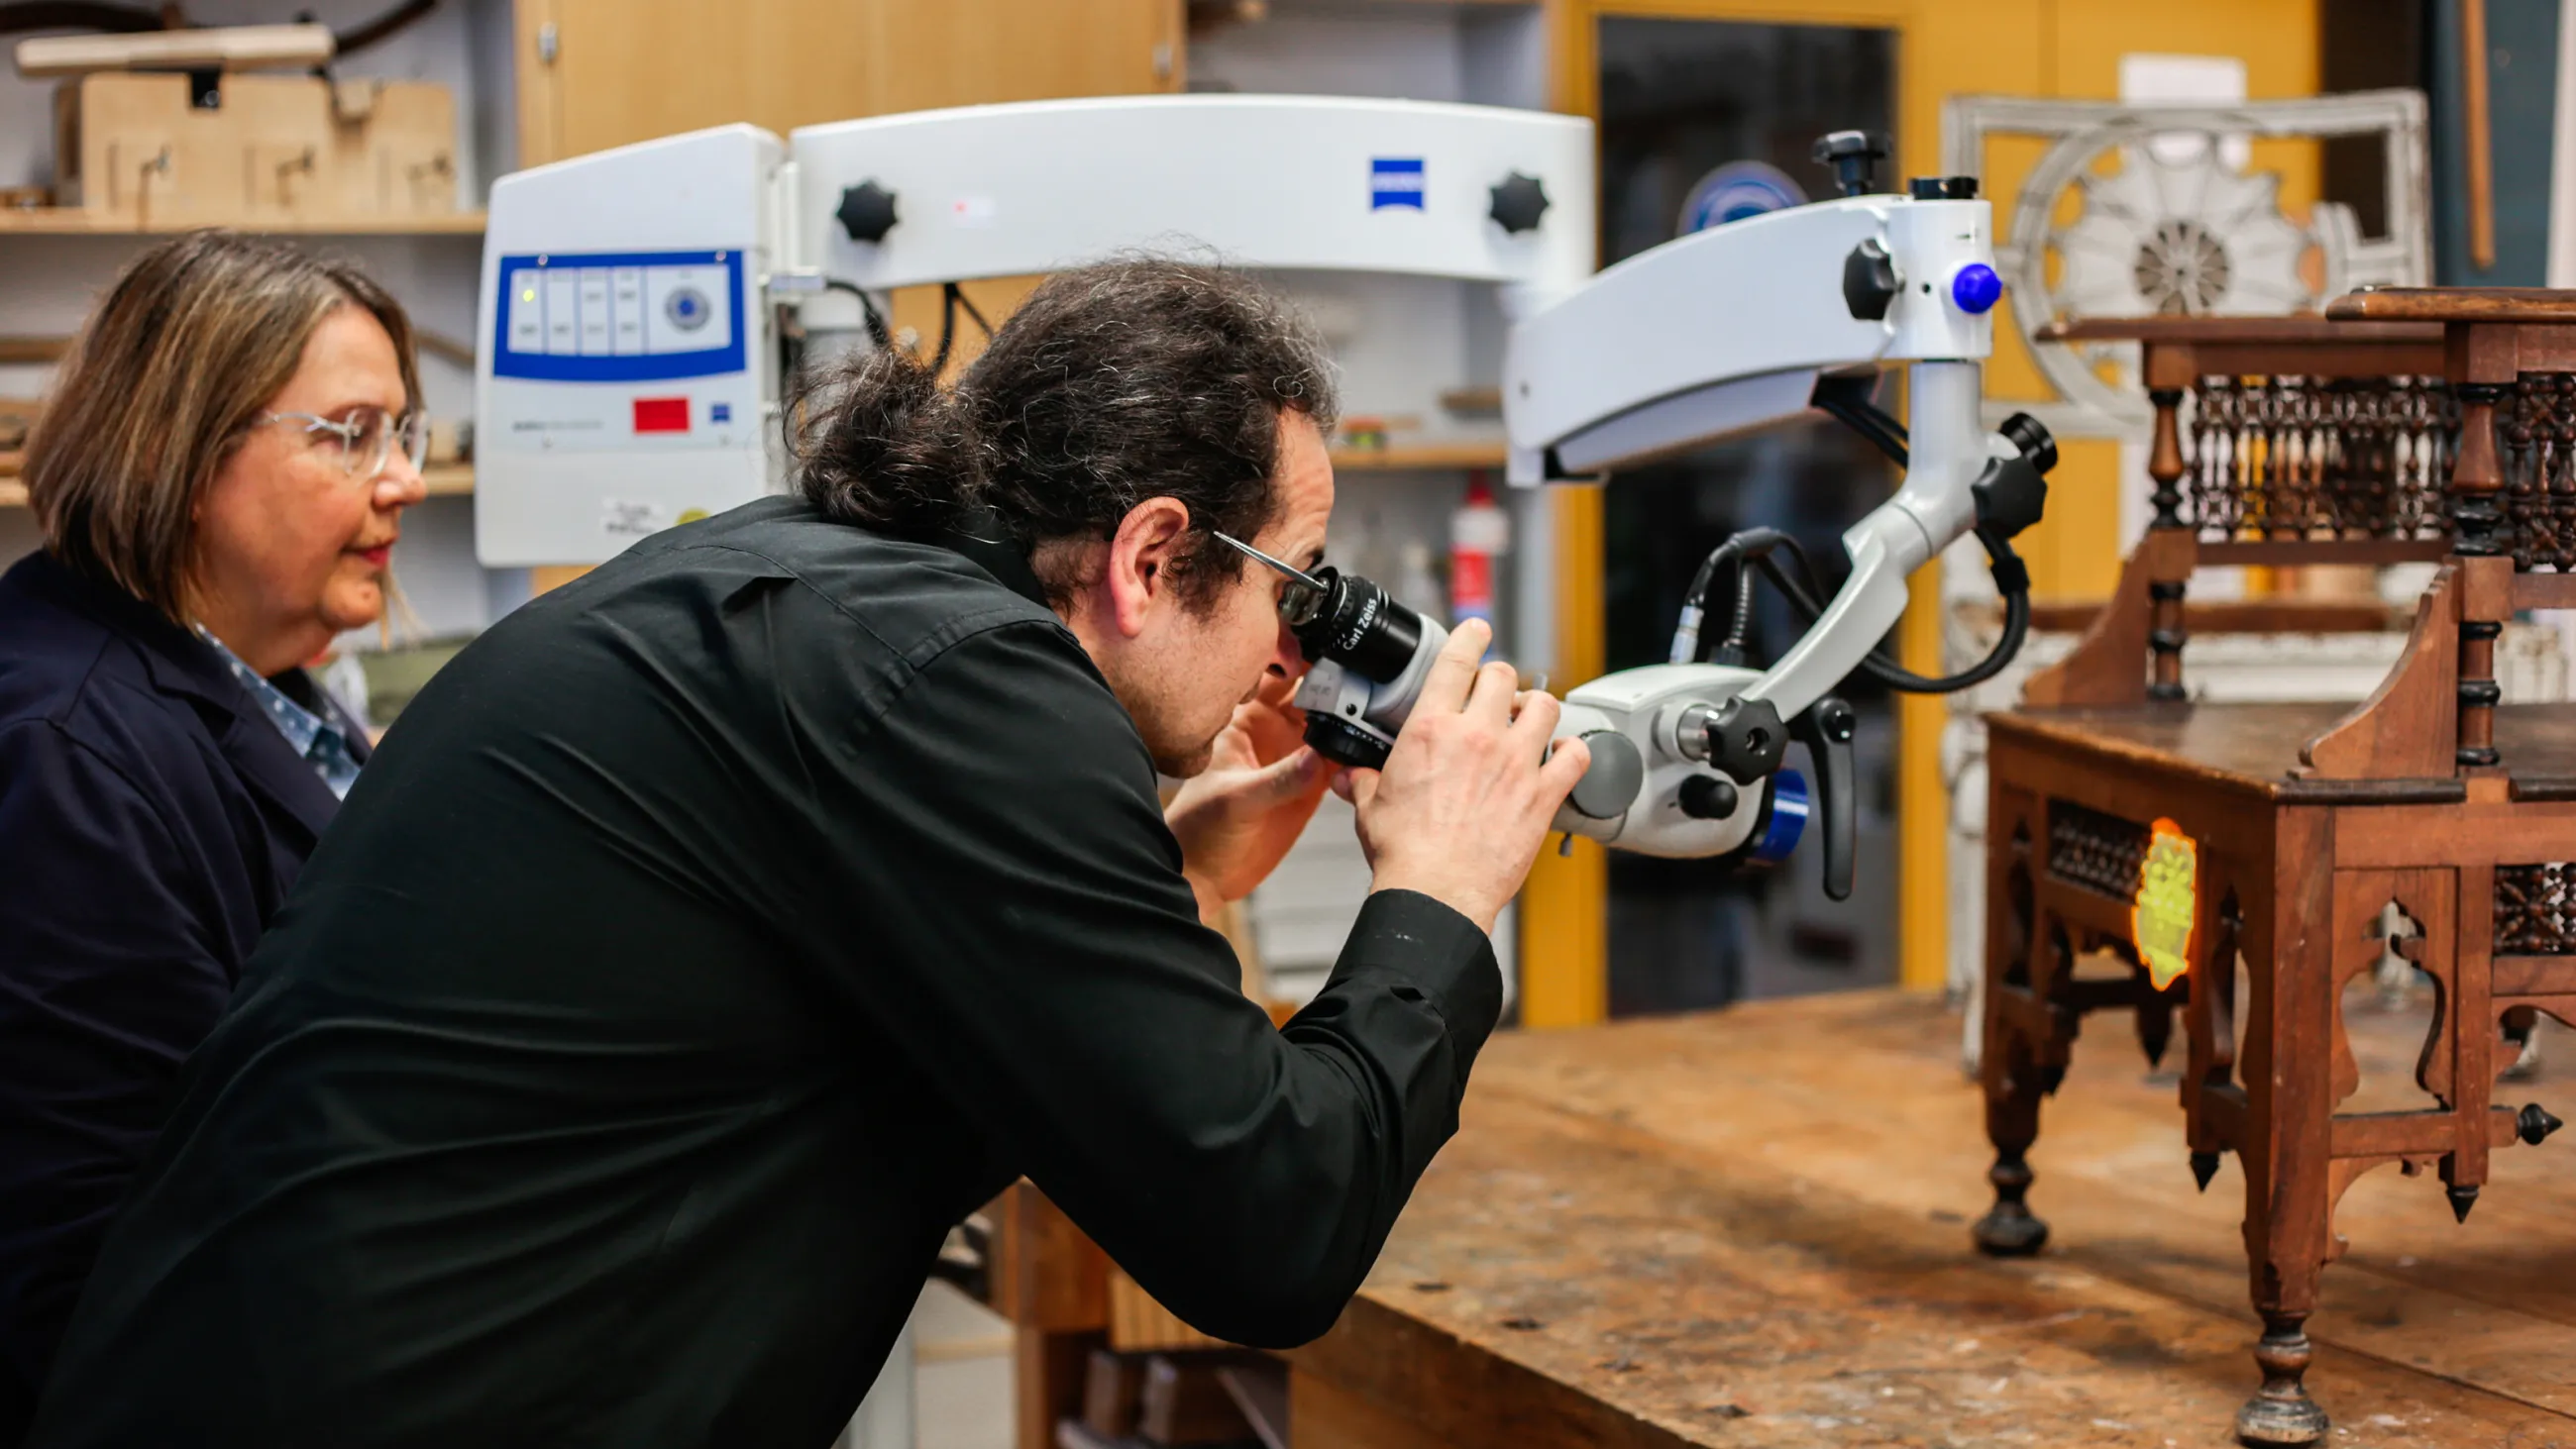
(220, 478)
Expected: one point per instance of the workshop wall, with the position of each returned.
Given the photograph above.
(48, 283)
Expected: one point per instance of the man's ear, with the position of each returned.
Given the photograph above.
(1141, 554)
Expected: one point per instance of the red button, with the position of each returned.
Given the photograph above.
(661, 415)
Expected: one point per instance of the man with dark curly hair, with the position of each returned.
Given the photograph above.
(717, 931)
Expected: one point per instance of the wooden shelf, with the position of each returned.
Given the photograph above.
(1417, 457)
(445, 480)
(449, 480)
(69, 221)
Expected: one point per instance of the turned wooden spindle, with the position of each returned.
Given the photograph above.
(2477, 532)
(2165, 634)
(2477, 524)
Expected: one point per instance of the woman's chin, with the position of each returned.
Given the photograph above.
(353, 604)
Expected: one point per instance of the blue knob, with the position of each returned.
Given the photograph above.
(1976, 288)
(1786, 821)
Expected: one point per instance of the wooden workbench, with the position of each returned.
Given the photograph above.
(1751, 1228)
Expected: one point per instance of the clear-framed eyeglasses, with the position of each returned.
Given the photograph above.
(365, 439)
(1303, 596)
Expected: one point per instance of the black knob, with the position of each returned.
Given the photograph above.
(1518, 202)
(1854, 155)
(1959, 188)
(866, 211)
(2031, 436)
(1746, 739)
(1869, 281)
(2535, 1124)
(1706, 797)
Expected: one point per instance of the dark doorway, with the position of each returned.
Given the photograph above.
(1680, 99)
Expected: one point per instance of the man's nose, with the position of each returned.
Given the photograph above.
(1286, 658)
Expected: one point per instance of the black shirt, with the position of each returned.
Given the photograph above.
(703, 942)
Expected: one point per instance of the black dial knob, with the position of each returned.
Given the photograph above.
(866, 211)
(1869, 281)
(2031, 436)
(1706, 797)
(1854, 155)
(1518, 202)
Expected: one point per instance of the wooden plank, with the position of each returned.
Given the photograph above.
(2280, 614)
(2324, 551)
(227, 47)
(2535, 975)
(2454, 304)
(449, 480)
(72, 221)
(2215, 330)
(2502, 833)
(2544, 591)
(1324, 1416)
(1418, 457)
(2409, 725)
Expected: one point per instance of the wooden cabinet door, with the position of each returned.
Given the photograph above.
(601, 73)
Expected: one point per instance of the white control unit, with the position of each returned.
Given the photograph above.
(628, 373)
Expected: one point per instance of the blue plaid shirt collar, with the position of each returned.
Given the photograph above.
(320, 742)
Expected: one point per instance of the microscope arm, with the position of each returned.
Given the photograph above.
(1948, 455)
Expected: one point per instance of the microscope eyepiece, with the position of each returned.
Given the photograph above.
(1353, 623)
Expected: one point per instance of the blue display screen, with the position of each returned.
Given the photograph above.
(619, 316)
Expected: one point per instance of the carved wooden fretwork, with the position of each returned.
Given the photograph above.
(2535, 910)
(2302, 458)
(2536, 435)
(2102, 853)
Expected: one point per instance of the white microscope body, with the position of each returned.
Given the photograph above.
(632, 304)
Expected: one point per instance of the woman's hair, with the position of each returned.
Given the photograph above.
(1114, 383)
(163, 382)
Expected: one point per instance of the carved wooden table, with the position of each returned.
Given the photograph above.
(1742, 1229)
(2442, 427)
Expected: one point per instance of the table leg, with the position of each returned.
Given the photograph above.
(2287, 1078)
(2024, 951)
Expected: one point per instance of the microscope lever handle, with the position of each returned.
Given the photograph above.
(1826, 730)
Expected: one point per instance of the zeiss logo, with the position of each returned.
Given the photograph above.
(1395, 181)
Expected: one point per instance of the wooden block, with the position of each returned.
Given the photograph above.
(1112, 1385)
(1184, 1403)
(1321, 1413)
(1045, 1272)
(1138, 1324)
(276, 151)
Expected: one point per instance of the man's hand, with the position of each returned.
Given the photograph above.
(1237, 817)
(1465, 799)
